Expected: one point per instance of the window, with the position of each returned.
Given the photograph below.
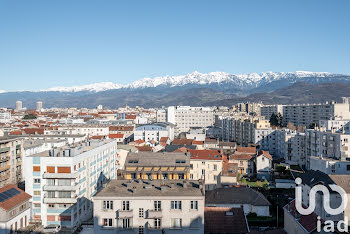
(215, 167)
(176, 223)
(181, 176)
(141, 212)
(157, 205)
(108, 205)
(126, 205)
(64, 182)
(51, 205)
(36, 181)
(157, 223)
(176, 205)
(51, 194)
(141, 230)
(194, 205)
(37, 193)
(50, 182)
(348, 167)
(107, 222)
(37, 205)
(203, 172)
(64, 194)
(126, 223)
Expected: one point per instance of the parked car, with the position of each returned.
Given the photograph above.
(52, 228)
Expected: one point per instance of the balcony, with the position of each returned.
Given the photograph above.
(60, 187)
(154, 214)
(125, 214)
(5, 149)
(60, 200)
(60, 175)
(4, 168)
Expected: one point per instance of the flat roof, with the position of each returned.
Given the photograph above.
(148, 188)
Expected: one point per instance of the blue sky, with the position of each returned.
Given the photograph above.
(63, 43)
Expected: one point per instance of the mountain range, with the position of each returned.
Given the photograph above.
(215, 88)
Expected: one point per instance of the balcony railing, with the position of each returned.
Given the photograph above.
(60, 175)
(125, 214)
(154, 214)
(65, 200)
(60, 187)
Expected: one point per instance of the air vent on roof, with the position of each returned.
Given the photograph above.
(147, 186)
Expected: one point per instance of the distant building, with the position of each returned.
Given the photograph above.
(19, 106)
(154, 132)
(125, 206)
(5, 116)
(39, 106)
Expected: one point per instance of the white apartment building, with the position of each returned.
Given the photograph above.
(185, 117)
(62, 181)
(335, 124)
(290, 145)
(154, 132)
(327, 144)
(305, 114)
(136, 206)
(5, 116)
(89, 130)
(268, 110)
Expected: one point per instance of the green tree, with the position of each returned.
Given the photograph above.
(29, 116)
(279, 120)
(274, 120)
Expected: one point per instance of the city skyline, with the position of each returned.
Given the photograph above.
(83, 42)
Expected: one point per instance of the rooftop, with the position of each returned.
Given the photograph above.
(148, 188)
(157, 159)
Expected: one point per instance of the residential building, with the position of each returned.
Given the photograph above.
(14, 209)
(206, 165)
(157, 166)
(251, 200)
(39, 106)
(268, 110)
(19, 106)
(154, 132)
(129, 206)
(5, 116)
(11, 156)
(63, 180)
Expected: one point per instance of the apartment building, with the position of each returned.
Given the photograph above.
(157, 166)
(135, 206)
(206, 165)
(305, 114)
(326, 145)
(154, 132)
(5, 116)
(290, 145)
(250, 108)
(335, 124)
(89, 130)
(185, 117)
(63, 180)
(11, 150)
(14, 209)
(268, 110)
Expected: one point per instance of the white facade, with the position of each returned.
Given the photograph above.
(268, 110)
(5, 116)
(63, 180)
(154, 132)
(207, 170)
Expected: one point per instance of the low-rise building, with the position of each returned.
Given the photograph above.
(126, 206)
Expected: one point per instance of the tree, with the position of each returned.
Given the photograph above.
(279, 120)
(30, 116)
(313, 125)
(274, 120)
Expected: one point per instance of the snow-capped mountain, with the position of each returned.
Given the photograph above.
(96, 87)
(242, 81)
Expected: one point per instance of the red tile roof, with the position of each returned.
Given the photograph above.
(130, 117)
(309, 222)
(238, 156)
(265, 153)
(15, 200)
(197, 142)
(121, 128)
(251, 150)
(144, 148)
(164, 139)
(34, 130)
(224, 220)
(119, 135)
(182, 142)
(205, 154)
(97, 137)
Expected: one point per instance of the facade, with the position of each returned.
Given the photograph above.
(306, 114)
(268, 110)
(39, 106)
(14, 209)
(19, 106)
(185, 117)
(63, 180)
(5, 116)
(157, 166)
(136, 206)
(206, 165)
(11, 156)
(338, 125)
(154, 132)
(89, 130)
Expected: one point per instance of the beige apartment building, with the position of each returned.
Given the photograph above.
(11, 149)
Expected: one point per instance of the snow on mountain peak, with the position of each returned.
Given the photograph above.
(195, 78)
